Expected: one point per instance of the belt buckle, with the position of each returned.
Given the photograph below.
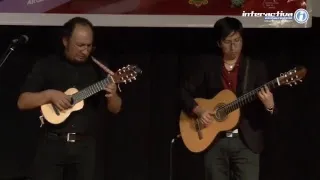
(68, 137)
(229, 134)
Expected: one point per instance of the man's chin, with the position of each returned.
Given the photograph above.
(233, 55)
(80, 60)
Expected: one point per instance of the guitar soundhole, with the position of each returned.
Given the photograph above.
(72, 101)
(219, 114)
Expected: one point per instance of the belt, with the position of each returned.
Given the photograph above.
(68, 137)
(233, 133)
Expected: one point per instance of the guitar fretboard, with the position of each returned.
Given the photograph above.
(247, 98)
(90, 90)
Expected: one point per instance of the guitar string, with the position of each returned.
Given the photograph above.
(90, 90)
(226, 109)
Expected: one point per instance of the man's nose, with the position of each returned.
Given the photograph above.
(233, 46)
(86, 51)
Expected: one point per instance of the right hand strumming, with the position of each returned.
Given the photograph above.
(59, 99)
(205, 116)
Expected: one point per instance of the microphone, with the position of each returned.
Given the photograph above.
(171, 156)
(175, 138)
(23, 39)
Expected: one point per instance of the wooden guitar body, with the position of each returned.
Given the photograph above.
(52, 117)
(198, 141)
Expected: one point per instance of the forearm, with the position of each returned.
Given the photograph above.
(188, 103)
(188, 92)
(30, 100)
(114, 104)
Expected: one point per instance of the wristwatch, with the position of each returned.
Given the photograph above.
(270, 109)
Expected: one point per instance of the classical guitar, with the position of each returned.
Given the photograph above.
(54, 116)
(226, 107)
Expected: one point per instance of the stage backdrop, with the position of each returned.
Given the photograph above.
(157, 13)
(136, 144)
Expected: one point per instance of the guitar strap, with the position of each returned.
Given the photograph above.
(246, 76)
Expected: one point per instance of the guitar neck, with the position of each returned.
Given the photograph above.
(248, 97)
(91, 90)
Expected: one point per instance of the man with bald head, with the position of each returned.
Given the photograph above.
(71, 143)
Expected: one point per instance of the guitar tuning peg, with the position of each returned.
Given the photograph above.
(300, 80)
(134, 78)
(129, 80)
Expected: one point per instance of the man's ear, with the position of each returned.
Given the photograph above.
(65, 41)
(219, 44)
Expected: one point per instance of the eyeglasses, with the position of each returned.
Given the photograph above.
(232, 42)
(88, 48)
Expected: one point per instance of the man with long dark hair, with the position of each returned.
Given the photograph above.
(235, 152)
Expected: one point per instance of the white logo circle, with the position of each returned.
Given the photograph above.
(301, 16)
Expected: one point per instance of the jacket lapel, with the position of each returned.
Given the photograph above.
(218, 69)
(241, 75)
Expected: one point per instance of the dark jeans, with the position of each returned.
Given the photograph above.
(229, 159)
(54, 156)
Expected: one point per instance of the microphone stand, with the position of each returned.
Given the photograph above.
(6, 54)
(171, 152)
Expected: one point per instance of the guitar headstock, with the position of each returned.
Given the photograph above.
(293, 76)
(126, 74)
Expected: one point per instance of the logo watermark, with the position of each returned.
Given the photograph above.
(279, 15)
(300, 16)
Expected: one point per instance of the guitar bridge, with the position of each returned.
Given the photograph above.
(198, 128)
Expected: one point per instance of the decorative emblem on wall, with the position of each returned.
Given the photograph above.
(270, 4)
(198, 3)
(237, 3)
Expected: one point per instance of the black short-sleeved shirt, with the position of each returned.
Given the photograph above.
(56, 72)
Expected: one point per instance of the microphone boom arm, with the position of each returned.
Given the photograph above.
(23, 39)
(6, 54)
